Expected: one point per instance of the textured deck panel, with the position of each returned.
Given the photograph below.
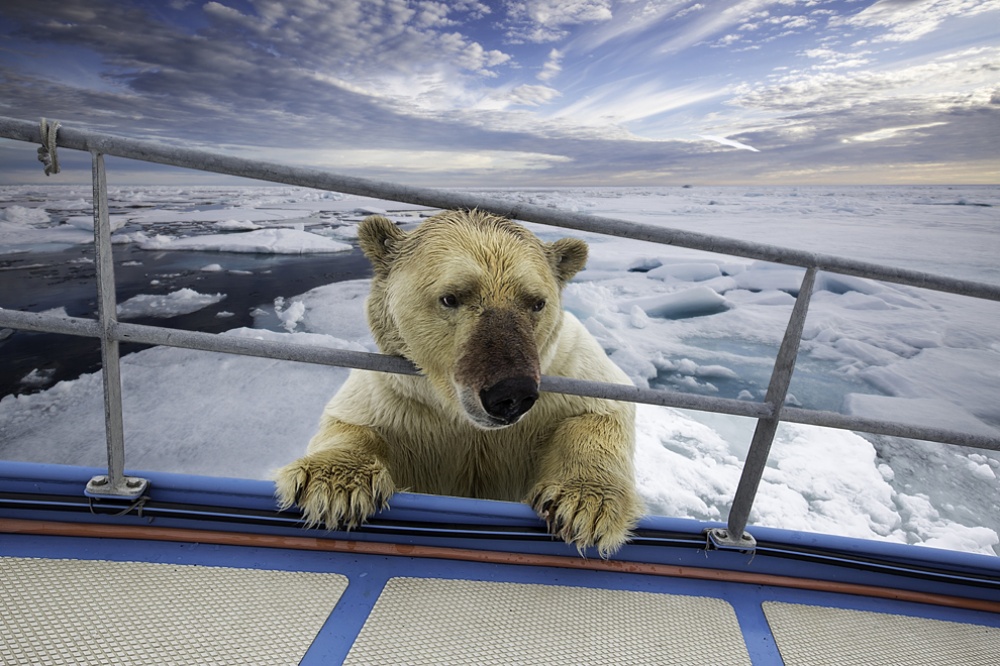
(817, 635)
(55, 612)
(440, 622)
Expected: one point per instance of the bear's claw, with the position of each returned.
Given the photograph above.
(583, 514)
(336, 489)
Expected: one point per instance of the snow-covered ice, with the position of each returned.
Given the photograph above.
(236, 225)
(164, 306)
(671, 318)
(239, 218)
(25, 228)
(86, 222)
(24, 215)
(263, 241)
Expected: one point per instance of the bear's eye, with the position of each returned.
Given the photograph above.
(537, 307)
(449, 301)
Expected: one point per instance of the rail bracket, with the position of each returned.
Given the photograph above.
(130, 487)
(722, 539)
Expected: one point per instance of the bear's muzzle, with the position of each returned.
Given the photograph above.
(498, 373)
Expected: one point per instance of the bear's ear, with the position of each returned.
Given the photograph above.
(566, 256)
(379, 237)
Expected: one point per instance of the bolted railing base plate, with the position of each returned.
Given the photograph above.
(722, 539)
(130, 487)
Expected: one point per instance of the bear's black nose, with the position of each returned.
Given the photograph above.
(508, 399)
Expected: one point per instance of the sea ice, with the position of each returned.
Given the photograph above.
(182, 301)
(290, 314)
(86, 222)
(263, 241)
(925, 412)
(685, 272)
(38, 378)
(236, 225)
(26, 229)
(238, 215)
(693, 302)
(25, 215)
(668, 316)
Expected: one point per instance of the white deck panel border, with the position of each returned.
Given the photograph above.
(441, 622)
(818, 635)
(81, 612)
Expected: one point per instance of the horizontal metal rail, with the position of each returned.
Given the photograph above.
(769, 413)
(290, 351)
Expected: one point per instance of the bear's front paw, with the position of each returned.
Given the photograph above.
(335, 488)
(584, 513)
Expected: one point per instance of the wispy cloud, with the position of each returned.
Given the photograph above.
(532, 95)
(543, 21)
(909, 20)
(721, 140)
(552, 66)
(964, 77)
(891, 132)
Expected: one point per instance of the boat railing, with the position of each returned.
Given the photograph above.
(768, 413)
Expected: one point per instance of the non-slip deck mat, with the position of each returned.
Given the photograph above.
(79, 612)
(821, 636)
(442, 622)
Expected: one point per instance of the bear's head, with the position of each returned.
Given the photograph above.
(473, 300)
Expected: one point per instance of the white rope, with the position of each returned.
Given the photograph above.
(47, 153)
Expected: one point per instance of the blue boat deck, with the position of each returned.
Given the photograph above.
(204, 571)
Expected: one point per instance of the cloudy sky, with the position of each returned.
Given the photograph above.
(523, 92)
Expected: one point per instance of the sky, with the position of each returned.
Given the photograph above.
(522, 92)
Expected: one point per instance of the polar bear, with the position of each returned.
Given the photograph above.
(473, 300)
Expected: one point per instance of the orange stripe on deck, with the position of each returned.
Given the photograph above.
(148, 533)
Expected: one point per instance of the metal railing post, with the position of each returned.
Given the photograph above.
(115, 483)
(760, 446)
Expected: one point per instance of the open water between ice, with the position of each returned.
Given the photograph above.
(65, 281)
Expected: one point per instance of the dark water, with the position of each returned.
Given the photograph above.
(37, 282)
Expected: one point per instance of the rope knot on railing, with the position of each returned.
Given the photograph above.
(47, 152)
